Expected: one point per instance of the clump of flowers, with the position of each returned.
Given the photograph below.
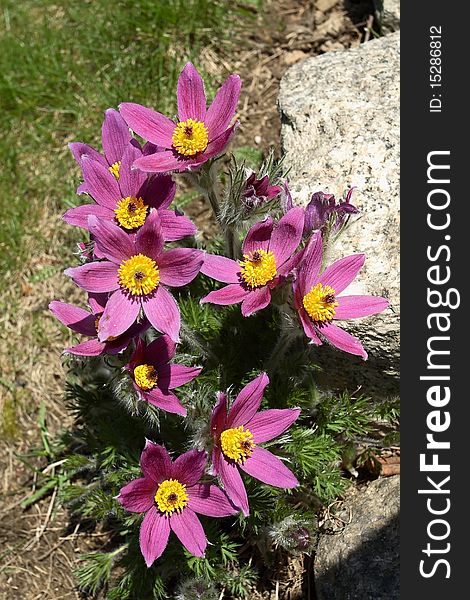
(161, 329)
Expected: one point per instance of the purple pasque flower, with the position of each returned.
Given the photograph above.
(137, 271)
(324, 208)
(128, 201)
(86, 322)
(267, 258)
(154, 377)
(257, 192)
(200, 134)
(170, 495)
(318, 301)
(237, 434)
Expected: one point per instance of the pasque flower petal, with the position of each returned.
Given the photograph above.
(114, 243)
(217, 145)
(268, 424)
(287, 235)
(248, 401)
(269, 469)
(163, 313)
(232, 481)
(221, 111)
(147, 123)
(343, 340)
(154, 534)
(256, 300)
(159, 191)
(309, 327)
(120, 313)
(189, 531)
(191, 95)
(165, 400)
(353, 307)
(130, 180)
(221, 268)
(179, 266)
(188, 468)
(164, 162)
(100, 183)
(88, 348)
(340, 274)
(78, 216)
(219, 414)
(155, 462)
(74, 317)
(230, 294)
(311, 263)
(174, 226)
(95, 276)
(115, 136)
(80, 150)
(149, 239)
(160, 351)
(174, 376)
(138, 495)
(258, 236)
(210, 500)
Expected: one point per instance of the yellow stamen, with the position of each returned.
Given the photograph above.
(145, 377)
(190, 137)
(171, 495)
(258, 268)
(320, 303)
(237, 443)
(114, 169)
(131, 212)
(139, 275)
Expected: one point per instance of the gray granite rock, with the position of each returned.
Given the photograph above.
(362, 561)
(340, 128)
(388, 15)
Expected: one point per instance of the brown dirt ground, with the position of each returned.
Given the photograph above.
(38, 548)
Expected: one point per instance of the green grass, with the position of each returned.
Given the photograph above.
(62, 63)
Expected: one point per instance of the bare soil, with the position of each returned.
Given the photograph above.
(39, 548)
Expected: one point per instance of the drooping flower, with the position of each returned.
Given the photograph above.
(237, 434)
(86, 322)
(128, 201)
(170, 494)
(154, 377)
(323, 210)
(318, 301)
(267, 258)
(200, 134)
(257, 192)
(137, 272)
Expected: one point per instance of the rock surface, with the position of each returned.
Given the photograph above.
(362, 562)
(388, 15)
(340, 128)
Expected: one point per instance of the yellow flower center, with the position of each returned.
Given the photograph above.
(171, 495)
(320, 303)
(139, 275)
(190, 137)
(145, 376)
(114, 169)
(131, 212)
(237, 443)
(258, 268)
